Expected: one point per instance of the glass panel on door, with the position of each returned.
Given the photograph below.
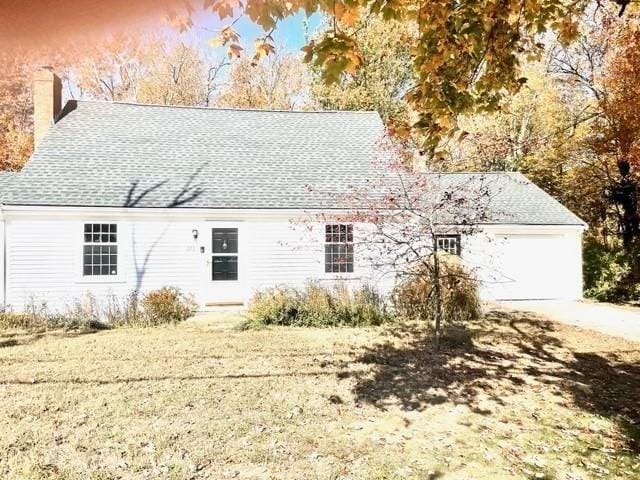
(224, 258)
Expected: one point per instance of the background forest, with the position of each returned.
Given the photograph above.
(573, 127)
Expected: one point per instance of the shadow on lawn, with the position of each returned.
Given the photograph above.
(507, 350)
(27, 337)
(163, 378)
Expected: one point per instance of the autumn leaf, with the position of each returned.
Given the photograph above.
(446, 122)
(466, 55)
(353, 63)
(235, 50)
(308, 51)
(223, 8)
(262, 49)
(181, 22)
(347, 14)
(228, 34)
(334, 54)
(215, 42)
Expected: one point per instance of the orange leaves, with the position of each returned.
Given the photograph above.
(620, 105)
(346, 13)
(333, 55)
(466, 54)
(262, 49)
(567, 30)
(231, 37)
(267, 13)
(228, 36)
(223, 8)
(399, 129)
(181, 22)
(235, 50)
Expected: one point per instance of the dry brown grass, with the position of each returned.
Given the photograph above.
(528, 399)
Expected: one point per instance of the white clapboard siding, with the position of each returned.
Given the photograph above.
(39, 262)
(282, 253)
(43, 259)
(2, 250)
(164, 253)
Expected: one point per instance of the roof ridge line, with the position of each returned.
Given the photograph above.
(200, 107)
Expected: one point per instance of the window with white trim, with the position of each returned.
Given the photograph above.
(100, 250)
(338, 248)
(449, 243)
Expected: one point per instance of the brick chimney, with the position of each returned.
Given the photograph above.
(47, 101)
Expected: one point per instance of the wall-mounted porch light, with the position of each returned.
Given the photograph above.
(194, 232)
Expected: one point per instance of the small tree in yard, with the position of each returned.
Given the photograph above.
(415, 221)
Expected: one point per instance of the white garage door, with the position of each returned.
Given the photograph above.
(527, 267)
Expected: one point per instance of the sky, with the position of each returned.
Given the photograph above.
(289, 34)
(50, 23)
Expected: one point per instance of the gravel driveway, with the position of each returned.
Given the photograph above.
(603, 317)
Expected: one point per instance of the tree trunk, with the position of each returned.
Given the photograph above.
(625, 194)
(437, 296)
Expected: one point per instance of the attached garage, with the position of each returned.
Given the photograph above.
(528, 245)
(532, 263)
(536, 266)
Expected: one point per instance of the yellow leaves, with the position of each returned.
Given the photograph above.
(353, 61)
(465, 54)
(446, 122)
(215, 42)
(567, 30)
(514, 17)
(263, 48)
(228, 35)
(347, 14)
(334, 55)
(223, 8)
(252, 86)
(399, 129)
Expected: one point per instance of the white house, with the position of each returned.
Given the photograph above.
(120, 197)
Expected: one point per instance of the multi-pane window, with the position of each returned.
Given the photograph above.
(100, 249)
(449, 243)
(224, 258)
(338, 248)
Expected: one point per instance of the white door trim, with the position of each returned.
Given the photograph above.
(224, 292)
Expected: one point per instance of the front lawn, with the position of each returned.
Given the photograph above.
(527, 399)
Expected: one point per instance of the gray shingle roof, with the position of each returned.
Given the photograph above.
(5, 183)
(115, 154)
(511, 198)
